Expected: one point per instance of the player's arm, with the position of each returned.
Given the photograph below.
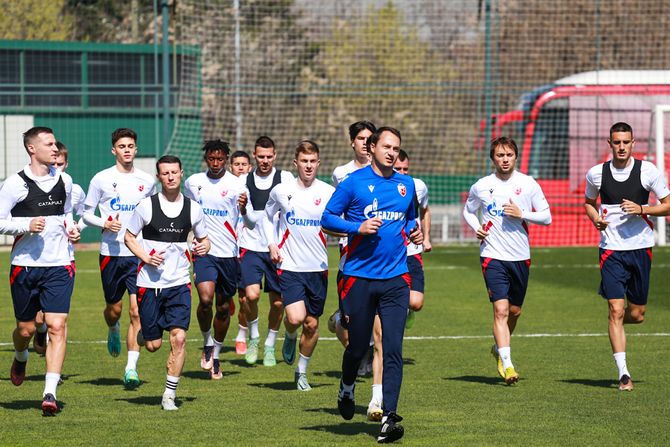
(425, 228)
(653, 181)
(138, 220)
(71, 227)
(93, 198)
(591, 202)
(333, 222)
(470, 215)
(268, 228)
(201, 243)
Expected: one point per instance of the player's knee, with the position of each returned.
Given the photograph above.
(153, 345)
(56, 328)
(637, 316)
(277, 305)
(134, 314)
(205, 302)
(416, 305)
(293, 319)
(616, 313)
(310, 327)
(514, 311)
(26, 331)
(501, 314)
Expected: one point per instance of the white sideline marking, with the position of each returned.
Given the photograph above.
(437, 337)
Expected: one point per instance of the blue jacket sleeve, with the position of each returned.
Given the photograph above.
(332, 219)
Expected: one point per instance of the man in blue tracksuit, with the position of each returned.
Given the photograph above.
(374, 208)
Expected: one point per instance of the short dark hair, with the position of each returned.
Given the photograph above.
(402, 155)
(621, 127)
(358, 126)
(167, 159)
(123, 132)
(503, 141)
(62, 150)
(265, 142)
(238, 154)
(216, 145)
(374, 138)
(30, 134)
(306, 147)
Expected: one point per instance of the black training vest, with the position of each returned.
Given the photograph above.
(259, 197)
(40, 203)
(613, 192)
(168, 229)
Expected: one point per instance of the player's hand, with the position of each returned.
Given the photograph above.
(113, 224)
(416, 236)
(242, 201)
(37, 224)
(600, 223)
(370, 226)
(275, 256)
(512, 209)
(199, 248)
(73, 234)
(427, 246)
(483, 231)
(629, 207)
(155, 259)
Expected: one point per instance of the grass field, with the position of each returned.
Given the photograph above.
(451, 393)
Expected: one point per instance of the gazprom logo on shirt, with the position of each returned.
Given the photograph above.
(117, 205)
(493, 209)
(214, 212)
(292, 220)
(371, 211)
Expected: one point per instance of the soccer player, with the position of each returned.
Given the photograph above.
(623, 185)
(374, 207)
(254, 254)
(215, 274)
(301, 255)
(35, 207)
(508, 200)
(116, 191)
(164, 284)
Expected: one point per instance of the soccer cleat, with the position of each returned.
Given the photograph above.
(496, 356)
(301, 382)
(140, 338)
(625, 383)
(18, 372)
(40, 342)
(409, 322)
(240, 347)
(206, 357)
(391, 430)
(167, 403)
(288, 349)
(375, 411)
(345, 402)
(215, 372)
(511, 376)
(49, 405)
(114, 343)
(332, 322)
(269, 358)
(252, 351)
(131, 379)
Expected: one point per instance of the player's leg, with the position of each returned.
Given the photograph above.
(113, 275)
(205, 273)
(243, 329)
(25, 299)
(149, 308)
(251, 278)
(177, 317)
(131, 379)
(415, 267)
(221, 325)
(375, 411)
(308, 340)
(175, 365)
(40, 338)
(276, 311)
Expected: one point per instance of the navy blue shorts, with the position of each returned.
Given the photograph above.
(118, 274)
(240, 289)
(625, 274)
(506, 279)
(310, 287)
(223, 272)
(415, 267)
(48, 289)
(164, 309)
(254, 266)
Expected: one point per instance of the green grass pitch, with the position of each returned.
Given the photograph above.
(451, 393)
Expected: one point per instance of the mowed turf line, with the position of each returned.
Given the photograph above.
(451, 394)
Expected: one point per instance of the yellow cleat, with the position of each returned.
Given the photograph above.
(511, 376)
(496, 356)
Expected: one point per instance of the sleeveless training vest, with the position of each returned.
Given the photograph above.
(613, 192)
(40, 203)
(166, 229)
(259, 197)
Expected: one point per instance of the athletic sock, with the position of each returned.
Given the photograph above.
(217, 348)
(620, 360)
(303, 362)
(42, 328)
(116, 327)
(347, 388)
(506, 356)
(253, 329)
(271, 338)
(207, 338)
(50, 383)
(241, 333)
(21, 356)
(171, 386)
(377, 392)
(132, 360)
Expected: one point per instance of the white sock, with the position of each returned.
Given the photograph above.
(171, 386)
(50, 383)
(377, 393)
(271, 338)
(116, 327)
(303, 362)
(217, 348)
(620, 360)
(241, 333)
(506, 356)
(133, 356)
(42, 328)
(253, 329)
(207, 338)
(21, 356)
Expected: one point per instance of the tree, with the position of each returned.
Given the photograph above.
(34, 20)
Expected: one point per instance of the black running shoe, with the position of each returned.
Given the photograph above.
(18, 372)
(391, 430)
(345, 403)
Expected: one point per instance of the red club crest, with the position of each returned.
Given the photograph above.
(317, 200)
(517, 190)
(402, 190)
(224, 193)
(141, 188)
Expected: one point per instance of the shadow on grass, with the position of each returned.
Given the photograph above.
(243, 363)
(33, 378)
(153, 400)
(27, 405)
(487, 380)
(104, 381)
(347, 428)
(408, 361)
(599, 383)
(279, 386)
(334, 411)
(332, 374)
(204, 375)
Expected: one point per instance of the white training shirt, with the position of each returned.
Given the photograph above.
(177, 258)
(301, 242)
(626, 231)
(218, 199)
(508, 236)
(422, 197)
(78, 198)
(340, 173)
(115, 192)
(254, 239)
(51, 246)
